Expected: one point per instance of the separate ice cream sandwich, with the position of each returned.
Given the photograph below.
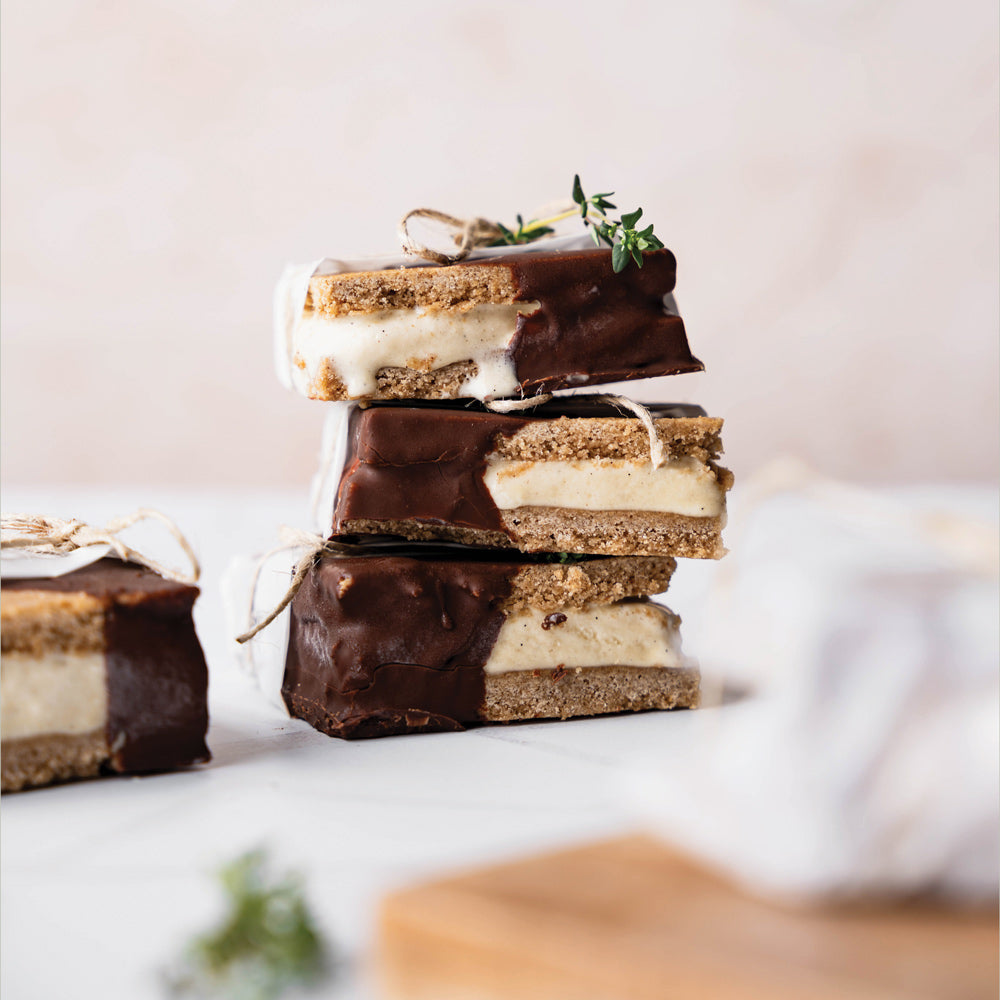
(519, 324)
(432, 638)
(101, 671)
(572, 475)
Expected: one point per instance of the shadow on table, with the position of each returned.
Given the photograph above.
(232, 745)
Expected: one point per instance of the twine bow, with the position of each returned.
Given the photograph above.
(467, 234)
(37, 535)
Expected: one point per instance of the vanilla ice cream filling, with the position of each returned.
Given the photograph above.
(631, 634)
(62, 693)
(682, 486)
(357, 346)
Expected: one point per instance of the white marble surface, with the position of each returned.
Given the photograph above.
(112, 876)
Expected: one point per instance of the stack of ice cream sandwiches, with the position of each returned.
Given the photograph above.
(501, 538)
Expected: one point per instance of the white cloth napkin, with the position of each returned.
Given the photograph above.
(868, 757)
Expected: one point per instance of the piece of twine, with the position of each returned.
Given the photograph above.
(468, 235)
(33, 534)
(291, 538)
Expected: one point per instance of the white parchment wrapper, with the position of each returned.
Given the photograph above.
(262, 658)
(16, 566)
(332, 456)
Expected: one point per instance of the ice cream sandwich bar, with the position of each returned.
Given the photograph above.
(519, 324)
(431, 638)
(572, 475)
(101, 672)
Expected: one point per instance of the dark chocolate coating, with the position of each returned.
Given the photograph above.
(156, 672)
(384, 645)
(422, 464)
(582, 404)
(426, 463)
(594, 326)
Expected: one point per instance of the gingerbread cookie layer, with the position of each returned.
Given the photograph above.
(101, 671)
(572, 475)
(515, 325)
(428, 639)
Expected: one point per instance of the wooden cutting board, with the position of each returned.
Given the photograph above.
(629, 920)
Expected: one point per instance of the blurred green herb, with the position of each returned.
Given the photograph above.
(626, 242)
(266, 943)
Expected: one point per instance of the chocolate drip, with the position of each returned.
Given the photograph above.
(382, 646)
(593, 325)
(157, 679)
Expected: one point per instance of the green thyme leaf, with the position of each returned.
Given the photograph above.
(629, 219)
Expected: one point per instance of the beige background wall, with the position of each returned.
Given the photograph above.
(825, 172)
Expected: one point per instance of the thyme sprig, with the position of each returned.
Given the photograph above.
(524, 233)
(626, 241)
(266, 943)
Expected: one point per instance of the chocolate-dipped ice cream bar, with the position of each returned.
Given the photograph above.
(571, 475)
(430, 638)
(514, 325)
(102, 672)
